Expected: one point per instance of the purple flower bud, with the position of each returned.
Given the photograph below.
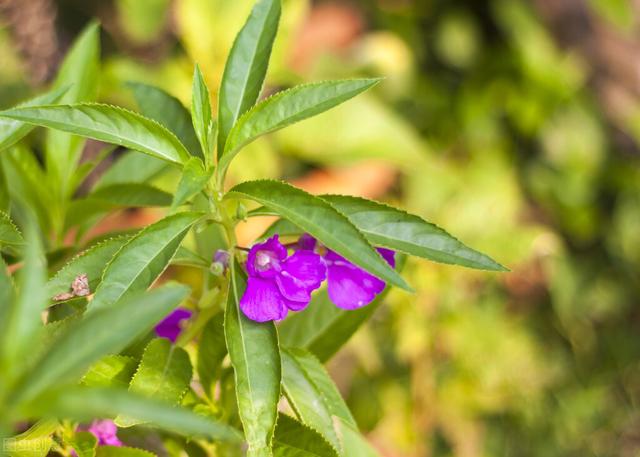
(349, 286)
(105, 431)
(170, 327)
(277, 283)
(222, 257)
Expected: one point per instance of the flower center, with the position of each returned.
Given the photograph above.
(266, 260)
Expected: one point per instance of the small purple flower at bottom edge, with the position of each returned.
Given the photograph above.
(278, 283)
(170, 327)
(349, 286)
(105, 432)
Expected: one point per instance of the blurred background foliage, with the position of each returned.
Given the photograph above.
(514, 124)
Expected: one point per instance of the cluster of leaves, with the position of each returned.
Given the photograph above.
(95, 356)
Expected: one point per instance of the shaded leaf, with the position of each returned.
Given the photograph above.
(122, 451)
(194, 178)
(312, 394)
(353, 443)
(211, 351)
(132, 167)
(85, 404)
(90, 262)
(9, 233)
(105, 331)
(84, 444)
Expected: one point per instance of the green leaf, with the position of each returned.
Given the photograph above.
(201, 112)
(164, 108)
(80, 72)
(122, 451)
(132, 167)
(105, 331)
(395, 229)
(85, 404)
(9, 233)
(293, 439)
(188, 258)
(90, 262)
(246, 66)
(288, 107)
(353, 443)
(164, 374)
(131, 195)
(13, 131)
(254, 354)
(194, 178)
(111, 371)
(7, 293)
(142, 259)
(84, 444)
(35, 442)
(312, 394)
(21, 331)
(324, 328)
(320, 219)
(111, 124)
(211, 351)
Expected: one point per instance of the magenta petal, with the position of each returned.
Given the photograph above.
(264, 259)
(302, 273)
(105, 431)
(388, 255)
(306, 242)
(262, 301)
(350, 287)
(170, 327)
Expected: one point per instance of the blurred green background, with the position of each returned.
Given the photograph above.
(513, 124)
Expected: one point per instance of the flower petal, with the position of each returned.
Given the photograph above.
(264, 259)
(262, 301)
(350, 287)
(170, 327)
(302, 273)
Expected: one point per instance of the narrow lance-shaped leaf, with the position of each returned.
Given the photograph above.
(194, 178)
(395, 229)
(288, 107)
(323, 221)
(254, 354)
(80, 71)
(106, 331)
(9, 233)
(13, 131)
(293, 439)
(211, 352)
(164, 374)
(312, 394)
(21, 331)
(246, 66)
(137, 265)
(164, 108)
(34, 442)
(111, 371)
(107, 123)
(85, 404)
(201, 112)
(132, 167)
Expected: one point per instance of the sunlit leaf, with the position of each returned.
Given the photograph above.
(287, 107)
(293, 439)
(321, 220)
(201, 112)
(111, 371)
(254, 354)
(164, 374)
(246, 66)
(107, 123)
(194, 178)
(142, 259)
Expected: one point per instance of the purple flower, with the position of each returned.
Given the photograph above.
(105, 431)
(349, 286)
(278, 283)
(170, 327)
